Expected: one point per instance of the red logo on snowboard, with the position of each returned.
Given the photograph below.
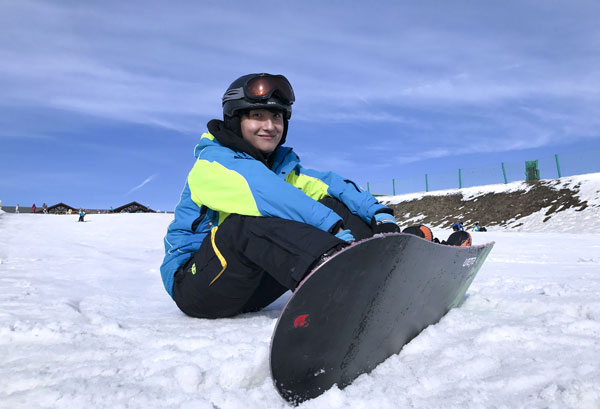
(301, 321)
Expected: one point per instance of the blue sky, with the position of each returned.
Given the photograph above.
(102, 103)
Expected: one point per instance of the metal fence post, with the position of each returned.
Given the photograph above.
(368, 188)
(426, 183)
(532, 172)
(459, 179)
(504, 173)
(557, 165)
(393, 187)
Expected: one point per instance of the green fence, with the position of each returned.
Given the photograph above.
(565, 164)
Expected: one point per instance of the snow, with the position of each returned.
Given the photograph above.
(590, 183)
(566, 220)
(86, 323)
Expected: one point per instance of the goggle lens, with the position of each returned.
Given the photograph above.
(262, 88)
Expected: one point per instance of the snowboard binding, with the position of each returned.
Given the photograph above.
(458, 238)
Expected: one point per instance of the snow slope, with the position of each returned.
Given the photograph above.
(567, 218)
(85, 323)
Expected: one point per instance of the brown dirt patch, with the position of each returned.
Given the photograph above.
(492, 209)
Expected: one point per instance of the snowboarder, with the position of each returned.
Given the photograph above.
(252, 222)
(17, 209)
(477, 227)
(45, 208)
(458, 226)
(81, 215)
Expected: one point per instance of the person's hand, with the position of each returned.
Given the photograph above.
(384, 223)
(345, 235)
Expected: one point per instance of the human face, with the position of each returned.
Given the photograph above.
(262, 129)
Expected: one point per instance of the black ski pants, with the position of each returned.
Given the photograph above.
(247, 262)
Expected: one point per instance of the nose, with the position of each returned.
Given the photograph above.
(268, 124)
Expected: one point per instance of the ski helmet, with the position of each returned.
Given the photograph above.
(259, 91)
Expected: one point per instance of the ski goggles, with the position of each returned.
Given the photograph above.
(262, 88)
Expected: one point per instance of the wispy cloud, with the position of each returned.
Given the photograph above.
(144, 183)
(7, 134)
(378, 85)
(164, 76)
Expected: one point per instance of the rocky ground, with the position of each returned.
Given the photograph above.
(494, 208)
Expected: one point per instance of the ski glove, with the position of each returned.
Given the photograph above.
(384, 223)
(345, 235)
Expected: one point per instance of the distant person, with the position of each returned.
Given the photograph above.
(17, 209)
(81, 215)
(33, 207)
(111, 210)
(70, 211)
(458, 226)
(45, 208)
(477, 227)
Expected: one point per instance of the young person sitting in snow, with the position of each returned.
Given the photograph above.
(477, 227)
(252, 222)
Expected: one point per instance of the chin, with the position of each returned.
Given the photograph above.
(267, 149)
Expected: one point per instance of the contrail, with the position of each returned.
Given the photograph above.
(148, 179)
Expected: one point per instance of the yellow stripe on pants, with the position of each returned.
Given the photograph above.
(213, 232)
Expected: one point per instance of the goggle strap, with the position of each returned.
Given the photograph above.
(235, 93)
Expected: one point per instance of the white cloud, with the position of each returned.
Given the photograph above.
(368, 64)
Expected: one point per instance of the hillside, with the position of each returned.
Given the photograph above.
(519, 205)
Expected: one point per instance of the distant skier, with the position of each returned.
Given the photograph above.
(81, 215)
(477, 227)
(33, 207)
(45, 208)
(458, 226)
(17, 209)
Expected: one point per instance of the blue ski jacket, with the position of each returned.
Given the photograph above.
(224, 181)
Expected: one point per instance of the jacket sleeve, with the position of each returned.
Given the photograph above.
(232, 183)
(360, 202)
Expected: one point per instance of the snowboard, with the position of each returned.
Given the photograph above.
(362, 305)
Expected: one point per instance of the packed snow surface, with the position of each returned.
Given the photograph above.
(86, 323)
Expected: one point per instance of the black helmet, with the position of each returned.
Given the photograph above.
(259, 91)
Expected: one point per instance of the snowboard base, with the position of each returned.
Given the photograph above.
(363, 305)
